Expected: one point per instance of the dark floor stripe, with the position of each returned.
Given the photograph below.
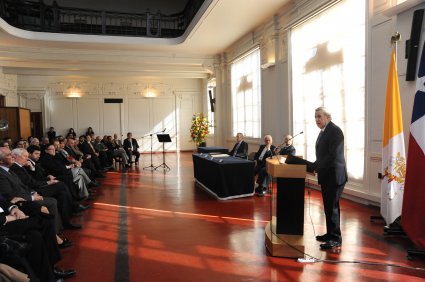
(121, 264)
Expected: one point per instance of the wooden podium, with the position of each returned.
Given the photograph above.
(286, 226)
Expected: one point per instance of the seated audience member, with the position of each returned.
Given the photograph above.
(71, 133)
(11, 186)
(35, 142)
(35, 169)
(51, 188)
(41, 251)
(103, 152)
(131, 148)
(71, 147)
(78, 176)
(20, 144)
(90, 132)
(117, 140)
(89, 151)
(51, 134)
(265, 151)
(117, 151)
(240, 149)
(286, 148)
(44, 144)
(54, 167)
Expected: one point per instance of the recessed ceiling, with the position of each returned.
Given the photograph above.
(222, 23)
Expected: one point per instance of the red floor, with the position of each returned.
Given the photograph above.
(175, 231)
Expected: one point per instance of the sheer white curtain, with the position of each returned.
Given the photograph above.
(246, 94)
(328, 69)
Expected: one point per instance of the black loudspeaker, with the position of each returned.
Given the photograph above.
(412, 45)
(112, 101)
(212, 101)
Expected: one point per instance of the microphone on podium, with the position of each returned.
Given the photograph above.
(296, 135)
(164, 130)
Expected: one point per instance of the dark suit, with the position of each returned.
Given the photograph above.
(59, 191)
(42, 251)
(88, 149)
(240, 151)
(11, 186)
(127, 147)
(260, 168)
(332, 175)
(58, 169)
(288, 150)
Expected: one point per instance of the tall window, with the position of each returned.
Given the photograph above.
(328, 69)
(246, 95)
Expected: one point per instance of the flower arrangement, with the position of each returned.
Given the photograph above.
(199, 129)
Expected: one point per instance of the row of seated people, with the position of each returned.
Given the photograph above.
(41, 191)
(266, 150)
(106, 149)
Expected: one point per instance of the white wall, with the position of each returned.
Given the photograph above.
(276, 91)
(171, 109)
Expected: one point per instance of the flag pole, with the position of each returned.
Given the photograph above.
(394, 41)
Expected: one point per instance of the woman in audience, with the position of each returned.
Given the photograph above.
(90, 131)
(71, 133)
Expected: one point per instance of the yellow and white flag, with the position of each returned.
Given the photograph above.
(393, 152)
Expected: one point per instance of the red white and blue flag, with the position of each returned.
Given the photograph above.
(413, 209)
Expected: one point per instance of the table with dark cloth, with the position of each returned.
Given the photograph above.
(224, 177)
(209, 150)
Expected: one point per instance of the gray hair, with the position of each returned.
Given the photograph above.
(325, 111)
(2, 154)
(17, 152)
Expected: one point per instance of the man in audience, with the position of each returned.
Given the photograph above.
(240, 149)
(131, 148)
(51, 134)
(103, 152)
(11, 186)
(286, 148)
(88, 149)
(117, 151)
(41, 250)
(265, 151)
(35, 169)
(51, 188)
(57, 168)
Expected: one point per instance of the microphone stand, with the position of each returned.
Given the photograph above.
(151, 166)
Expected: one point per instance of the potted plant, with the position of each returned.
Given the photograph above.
(199, 129)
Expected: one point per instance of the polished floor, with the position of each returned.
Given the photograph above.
(159, 226)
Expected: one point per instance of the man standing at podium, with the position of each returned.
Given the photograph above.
(332, 175)
(240, 149)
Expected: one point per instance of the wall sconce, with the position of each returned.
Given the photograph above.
(150, 92)
(73, 92)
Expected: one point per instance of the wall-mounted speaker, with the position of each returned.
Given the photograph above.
(412, 45)
(212, 101)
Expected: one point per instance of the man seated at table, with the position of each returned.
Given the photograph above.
(286, 147)
(240, 149)
(265, 151)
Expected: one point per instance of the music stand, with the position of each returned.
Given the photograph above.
(163, 138)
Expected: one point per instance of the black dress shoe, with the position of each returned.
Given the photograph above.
(259, 191)
(65, 244)
(322, 238)
(83, 208)
(59, 273)
(72, 226)
(330, 244)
